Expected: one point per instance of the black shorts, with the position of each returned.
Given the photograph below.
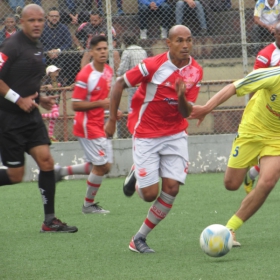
(19, 132)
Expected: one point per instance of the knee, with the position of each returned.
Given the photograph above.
(231, 185)
(149, 194)
(46, 163)
(15, 177)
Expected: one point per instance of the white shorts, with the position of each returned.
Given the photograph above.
(165, 157)
(97, 151)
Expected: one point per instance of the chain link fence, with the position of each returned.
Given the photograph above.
(223, 45)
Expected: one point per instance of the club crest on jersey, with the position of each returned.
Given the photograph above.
(3, 59)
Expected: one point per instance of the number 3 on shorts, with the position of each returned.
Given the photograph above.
(236, 151)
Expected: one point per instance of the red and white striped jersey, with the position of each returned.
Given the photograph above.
(155, 104)
(91, 85)
(268, 57)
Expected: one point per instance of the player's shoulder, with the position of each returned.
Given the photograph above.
(85, 71)
(155, 62)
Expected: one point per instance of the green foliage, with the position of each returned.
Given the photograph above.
(100, 248)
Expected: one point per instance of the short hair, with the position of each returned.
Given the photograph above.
(53, 9)
(95, 13)
(129, 38)
(10, 16)
(96, 40)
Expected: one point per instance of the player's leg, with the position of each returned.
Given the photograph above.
(250, 178)
(244, 153)
(99, 153)
(166, 157)
(46, 182)
(77, 169)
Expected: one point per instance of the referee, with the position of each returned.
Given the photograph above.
(22, 128)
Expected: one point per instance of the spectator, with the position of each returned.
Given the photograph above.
(16, 3)
(9, 29)
(87, 30)
(160, 9)
(191, 4)
(73, 11)
(119, 6)
(53, 81)
(131, 56)
(56, 38)
(266, 16)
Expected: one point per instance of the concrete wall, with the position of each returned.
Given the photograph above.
(208, 153)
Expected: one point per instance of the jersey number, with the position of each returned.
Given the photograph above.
(273, 97)
(236, 152)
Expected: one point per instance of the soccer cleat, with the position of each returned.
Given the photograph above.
(129, 182)
(143, 34)
(57, 174)
(94, 209)
(139, 245)
(56, 226)
(248, 184)
(163, 34)
(234, 242)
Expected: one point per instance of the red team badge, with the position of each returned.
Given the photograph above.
(3, 59)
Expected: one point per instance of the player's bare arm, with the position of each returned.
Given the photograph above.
(27, 104)
(89, 105)
(185, 108)
(115, 99)
(199, 112)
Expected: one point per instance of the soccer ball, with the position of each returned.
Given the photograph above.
(216, 240)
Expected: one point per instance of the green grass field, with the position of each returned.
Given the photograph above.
(99, 250)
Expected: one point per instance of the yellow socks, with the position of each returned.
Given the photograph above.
(234, 223)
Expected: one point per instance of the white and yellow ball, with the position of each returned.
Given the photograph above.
(216, 240)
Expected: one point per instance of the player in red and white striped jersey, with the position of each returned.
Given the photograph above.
(169, 84)
(89, 100)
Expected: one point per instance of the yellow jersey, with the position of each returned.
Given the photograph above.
(262, 114)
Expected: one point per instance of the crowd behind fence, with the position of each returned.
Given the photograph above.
(224, 45)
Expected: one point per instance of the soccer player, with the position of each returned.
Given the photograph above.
(169, 83)
(267, 57)
(22, 128)
(257, 138)
(89, 100)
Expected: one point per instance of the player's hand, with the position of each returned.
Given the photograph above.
(110, 127)
(198, 112)
(119, 115)
(27, 104)
(105, 103)
(48, 101)
(153, 6)
(180, 87)
(191, 3)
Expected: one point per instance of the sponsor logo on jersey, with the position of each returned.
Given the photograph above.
(3, 59)
(262, 59)
(37, 53)
(171, 101)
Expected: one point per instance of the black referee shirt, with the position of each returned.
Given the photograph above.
(21, 67)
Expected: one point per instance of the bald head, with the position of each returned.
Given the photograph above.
(31, 8)
(32, 21)
(178, 29)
